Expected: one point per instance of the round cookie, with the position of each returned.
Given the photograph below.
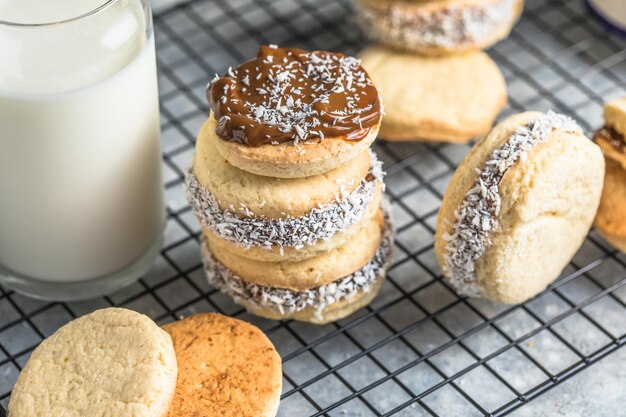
(112, 362)
(288, 161)
(308, 273)
(452, 99)
(438, 27)
(227, 368)
(519, 207)
(290, 113)
(325, 303)
(612, 211)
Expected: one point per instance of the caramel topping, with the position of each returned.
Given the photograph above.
(291, 95)
(613, 137)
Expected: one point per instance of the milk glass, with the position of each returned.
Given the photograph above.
(81, 199)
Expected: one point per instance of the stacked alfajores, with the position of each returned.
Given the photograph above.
(286, 188)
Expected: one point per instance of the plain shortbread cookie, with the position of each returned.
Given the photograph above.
(452, 99)
(111, 363)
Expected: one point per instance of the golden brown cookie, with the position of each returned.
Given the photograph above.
(113, 362)
(452, 99)
(518, 207)
(286, 160)
(438, 27)
(227, 368)
(611, 217)
(290, 113)
(610, 220)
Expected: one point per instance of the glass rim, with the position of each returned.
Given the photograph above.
(91, 12)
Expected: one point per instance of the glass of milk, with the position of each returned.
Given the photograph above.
(81, 199)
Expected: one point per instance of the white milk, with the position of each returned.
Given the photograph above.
(80, 167)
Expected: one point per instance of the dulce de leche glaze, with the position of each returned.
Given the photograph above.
(292, 95)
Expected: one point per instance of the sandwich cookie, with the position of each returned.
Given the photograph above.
(270, 219)
(227, 368)
(451, 99)
(518, 207)
(610, 220)
(438, 27)
(113, 362)
(318, 290)
(290, 113)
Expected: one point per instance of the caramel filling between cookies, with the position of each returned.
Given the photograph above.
(292, 95)
(285, 301)
(611, 136)
(477, 216)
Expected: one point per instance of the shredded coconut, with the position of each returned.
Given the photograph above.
(286, 301)
(321, 223)
(477, 215)
(451, 26)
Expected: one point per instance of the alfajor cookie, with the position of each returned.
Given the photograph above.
(227, 368)
(318, 290)
(113, 362)
(518, 207)
(271, 219)
(452, 99)
(612, 140)
(438, 27)
(290, 113)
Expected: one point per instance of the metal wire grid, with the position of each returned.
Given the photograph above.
(418, 349)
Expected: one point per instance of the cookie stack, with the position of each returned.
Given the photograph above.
(612, 140)
(436, 82)
(286, 188)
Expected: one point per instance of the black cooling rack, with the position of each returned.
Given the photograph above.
(419, 349)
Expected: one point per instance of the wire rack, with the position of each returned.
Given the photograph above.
(418, 349)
